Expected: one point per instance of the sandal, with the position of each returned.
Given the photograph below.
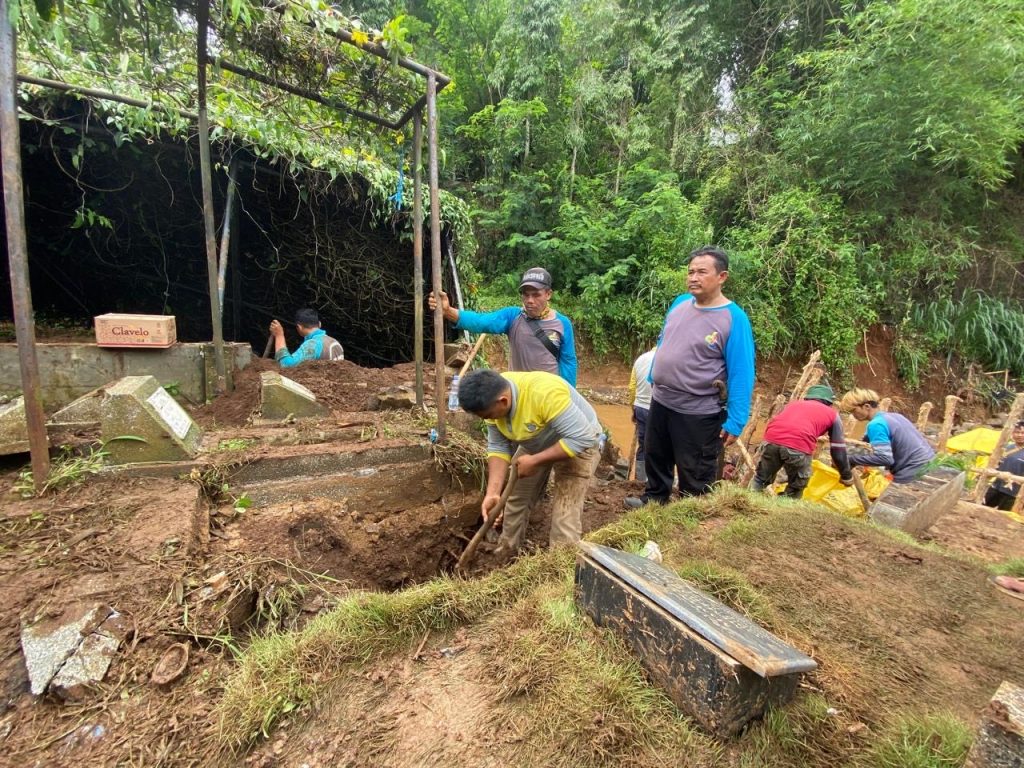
(1008, 585)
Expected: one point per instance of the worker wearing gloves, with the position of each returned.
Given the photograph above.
(316, 344)
(895, 441)
(539, 338)
(540, 423)
(791, 437)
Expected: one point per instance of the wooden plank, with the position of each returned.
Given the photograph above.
(704, 681)
(748, 643)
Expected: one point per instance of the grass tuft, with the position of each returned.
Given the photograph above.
(930, 741)
(1013, 567)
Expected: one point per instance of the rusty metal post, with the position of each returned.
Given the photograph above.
(203, 18)
(417, 250)
(17, 250)
(440, 397)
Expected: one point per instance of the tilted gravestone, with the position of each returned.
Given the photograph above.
(716, 665)
(152, 425)
(281, 398)
(13, 427)
(913, 507)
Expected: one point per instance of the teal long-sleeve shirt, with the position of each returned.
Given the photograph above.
(317, 346)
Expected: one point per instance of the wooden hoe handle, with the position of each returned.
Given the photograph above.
(470, 553)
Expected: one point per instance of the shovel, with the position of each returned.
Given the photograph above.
(470, 553)
(864, 500)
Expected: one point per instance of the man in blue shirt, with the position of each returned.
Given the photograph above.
(705, 344)
(316, 344)
(539, 338)
(895, 441)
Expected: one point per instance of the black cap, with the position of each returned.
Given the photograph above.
(536, 277)
(1020, 423)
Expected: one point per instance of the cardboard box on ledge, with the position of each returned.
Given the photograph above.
(116, 330)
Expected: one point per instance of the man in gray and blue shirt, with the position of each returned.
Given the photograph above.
(539, 338)
(706, 348)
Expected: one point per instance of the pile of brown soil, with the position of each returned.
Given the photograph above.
(341, 385)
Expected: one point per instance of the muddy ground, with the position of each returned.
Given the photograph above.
(185, 562)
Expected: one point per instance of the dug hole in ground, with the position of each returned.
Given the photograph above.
(323, 631)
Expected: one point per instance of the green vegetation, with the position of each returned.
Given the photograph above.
(934, 741)
(861, 162)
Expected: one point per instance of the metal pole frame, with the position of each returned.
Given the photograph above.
(203, 19)
(440, 397)
(17, 250)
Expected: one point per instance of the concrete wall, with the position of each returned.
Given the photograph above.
(67, 371)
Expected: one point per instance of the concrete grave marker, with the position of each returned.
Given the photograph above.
(281, 397)
(714, 663)
(913, 507)
(13, 427)
(137, 406)
(82, 410)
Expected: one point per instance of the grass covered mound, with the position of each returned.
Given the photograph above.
(910, 641)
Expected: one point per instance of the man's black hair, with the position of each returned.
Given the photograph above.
(480, 389)
(307, 317)
(721, 257)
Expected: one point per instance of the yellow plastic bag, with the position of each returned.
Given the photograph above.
(980, 440)
(824, 487)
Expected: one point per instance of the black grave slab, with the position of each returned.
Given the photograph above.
(715, 664)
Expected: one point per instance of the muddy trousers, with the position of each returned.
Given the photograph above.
(796, 463)
(572, 478)
(687, 443)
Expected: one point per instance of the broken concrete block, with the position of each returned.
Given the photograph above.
(67, 653)
(281, 397)
(13, 427)
(1000, 740)
(393, 398)
(914, 507)
(138, 407)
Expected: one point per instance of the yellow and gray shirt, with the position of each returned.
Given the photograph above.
(545, 410)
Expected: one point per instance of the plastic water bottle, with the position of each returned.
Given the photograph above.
(433, 435)
(453, 394)
(601, 443)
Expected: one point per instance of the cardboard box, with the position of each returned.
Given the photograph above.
(115, 330)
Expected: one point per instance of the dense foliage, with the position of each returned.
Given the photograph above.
(862, 162)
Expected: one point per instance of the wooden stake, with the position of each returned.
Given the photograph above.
(472, 355)
(801, 384)
(947, 422)
(631, 474)
(997, 454)
(922, 415)
(748, 430)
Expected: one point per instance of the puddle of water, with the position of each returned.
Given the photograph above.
(618, 420)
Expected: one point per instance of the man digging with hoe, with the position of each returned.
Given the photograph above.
(538, 422)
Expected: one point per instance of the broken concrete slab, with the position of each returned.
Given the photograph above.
(913, 507)
(13, 427)
(138, 407)
(1000, 739)
(281, 398)
(67, 653)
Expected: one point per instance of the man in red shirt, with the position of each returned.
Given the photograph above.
(792, 436)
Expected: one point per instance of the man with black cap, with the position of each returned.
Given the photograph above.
(791, 437)
(316, 344)
(539, 338)
(1001, 494)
